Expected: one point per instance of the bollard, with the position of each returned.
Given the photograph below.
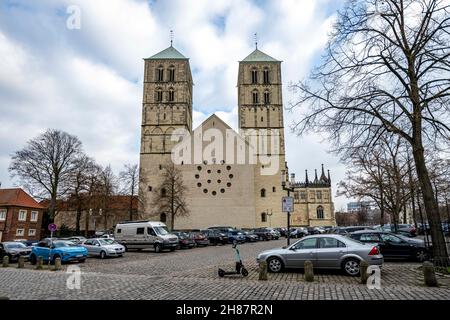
(21, 262)
(40, 263)
(263, 270)
(5, 262)
(363, 271)
(309, 271)
(429, 274)
(57, 264)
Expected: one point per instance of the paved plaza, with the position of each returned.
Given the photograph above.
(192, 274)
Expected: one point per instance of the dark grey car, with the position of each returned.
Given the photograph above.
(327, 251)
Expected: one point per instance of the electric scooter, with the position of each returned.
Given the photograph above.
(240, 269)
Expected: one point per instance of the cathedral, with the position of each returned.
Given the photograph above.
(231, 178)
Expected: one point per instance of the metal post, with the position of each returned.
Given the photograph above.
(288, 223)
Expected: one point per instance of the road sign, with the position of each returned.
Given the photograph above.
(287, 204)
(52, 227)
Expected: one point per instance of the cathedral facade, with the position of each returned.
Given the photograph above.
(231, 178)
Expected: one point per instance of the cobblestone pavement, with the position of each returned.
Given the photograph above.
(192, 274)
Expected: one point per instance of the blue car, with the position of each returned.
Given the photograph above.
(237, 236)
(50, 249)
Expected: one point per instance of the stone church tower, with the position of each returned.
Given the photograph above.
(261, 120)
(167, 105)
(234, 184)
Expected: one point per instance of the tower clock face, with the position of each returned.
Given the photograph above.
(214, 180)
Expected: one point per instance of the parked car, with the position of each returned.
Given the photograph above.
(250, 236)
(236, 236)
(325, 252)
(103, 248)
(76, 239)
(27, 243)
(275, 234)
(185, 240)
(394, 246)
(14, 250)
(51, 249)
(215, 236)
(223, 229)
(402, 229)
(298, 232)
(282, 231)
(200, 239)
(145, 234)
(263, 234)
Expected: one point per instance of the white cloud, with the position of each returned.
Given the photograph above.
(89, 82)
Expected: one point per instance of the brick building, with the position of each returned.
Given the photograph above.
(20, 215)
(102, 214)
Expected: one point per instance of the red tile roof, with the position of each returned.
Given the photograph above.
(19, 198)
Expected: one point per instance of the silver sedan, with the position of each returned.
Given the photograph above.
(325, 252)
(103, 248)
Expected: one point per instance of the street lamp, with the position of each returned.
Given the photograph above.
(285, 185)
(270, 215)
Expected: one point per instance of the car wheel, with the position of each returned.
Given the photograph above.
(244, 272)
(126, 248)
(54, 258)
(157, 248)
(351, 267)
(221, 273)
(275, 265)
(172, 249)
(421, 255)
(102, 255)
(33, 259)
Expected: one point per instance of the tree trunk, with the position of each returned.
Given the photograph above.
(78, 219)
(51, 208)
(86, 226)
(431, 208)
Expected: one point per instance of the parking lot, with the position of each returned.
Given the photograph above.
(192, 274)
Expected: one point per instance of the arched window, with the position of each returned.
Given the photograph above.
(160, 74)
(320, 214)
(263, 193)
(266, 76)
(255, 96)
(164, 116)
(163, 217)
(254, 76)
(274, 189)
(263, 217)
(266, 97)
(171, 74)
(163, 192)
(159, 95)
(171, 95)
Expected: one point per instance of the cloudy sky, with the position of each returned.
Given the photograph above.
(88, 81)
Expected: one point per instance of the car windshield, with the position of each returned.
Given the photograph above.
(161, 230)
(105, 242)
(17, 245)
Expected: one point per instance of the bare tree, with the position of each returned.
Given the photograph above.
(170, 196)
(386, 70)
(107, 188)
(46, 165)
(80, 186)
(129, 179)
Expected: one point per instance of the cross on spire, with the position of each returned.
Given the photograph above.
(171, 37)
(256, 40)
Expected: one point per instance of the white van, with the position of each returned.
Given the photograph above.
(145, 234)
